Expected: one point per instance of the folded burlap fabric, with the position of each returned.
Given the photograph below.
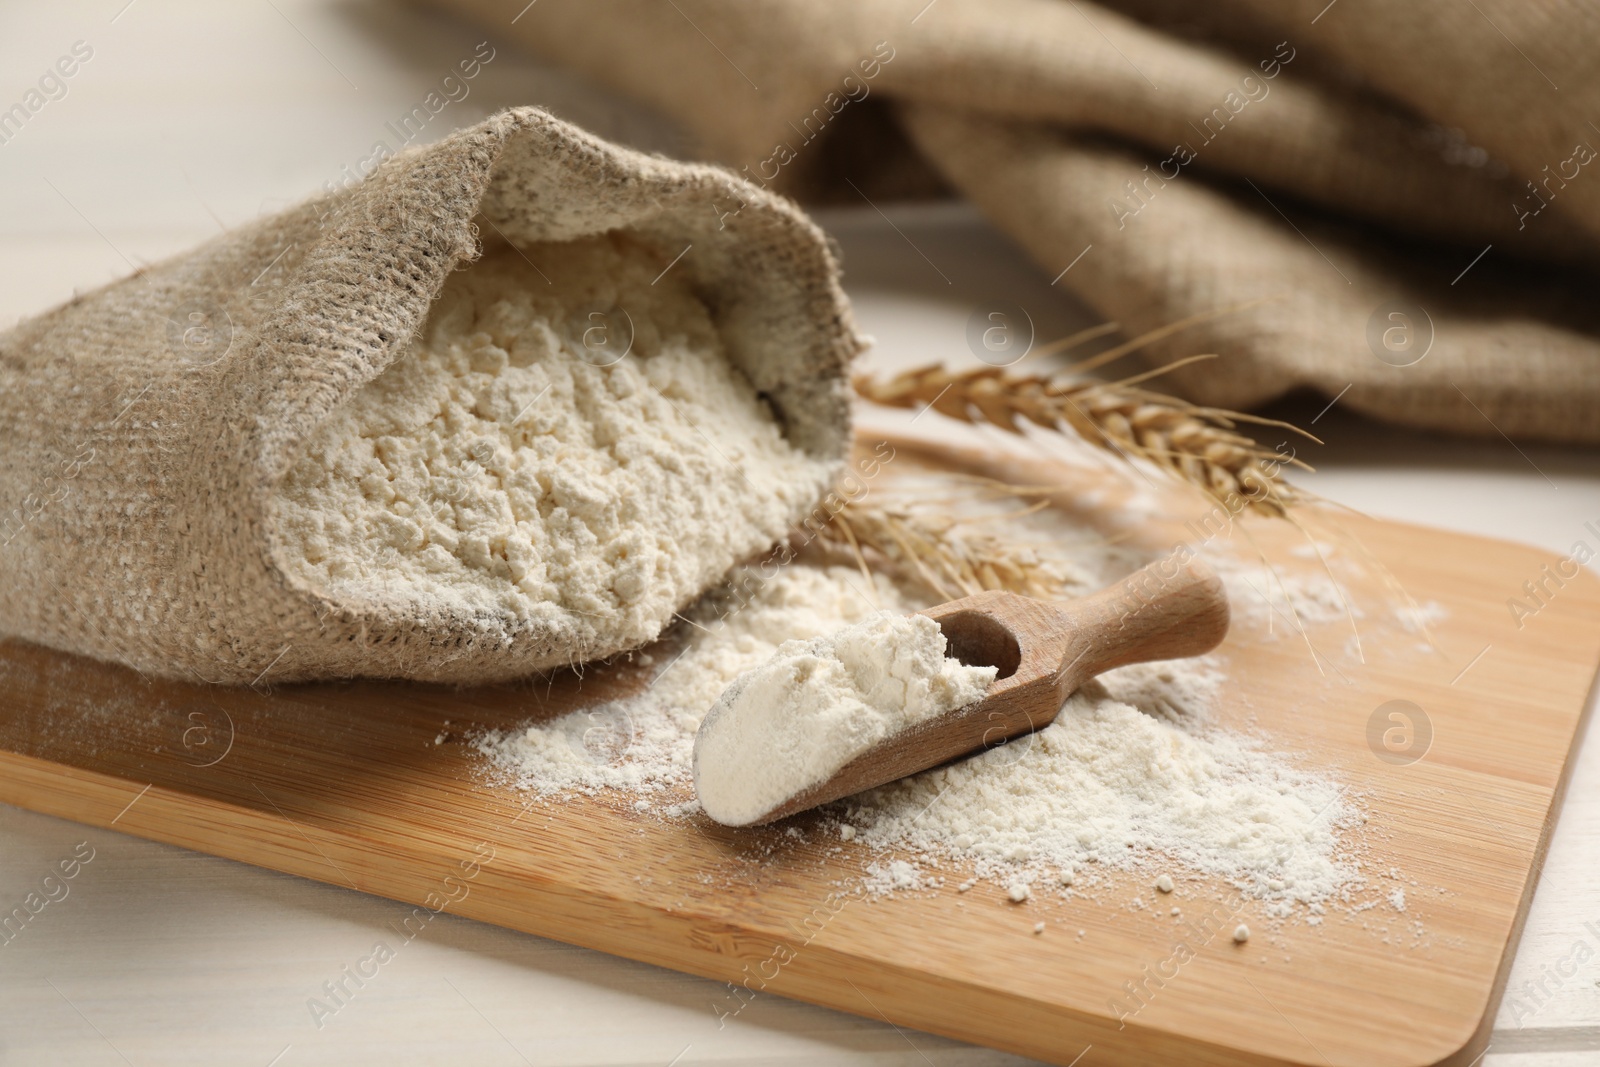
(1392, 199)
(177, 443)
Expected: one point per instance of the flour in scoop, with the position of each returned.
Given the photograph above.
(794, 721)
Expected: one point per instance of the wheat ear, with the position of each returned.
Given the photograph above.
(1198, 445)
(931, 552)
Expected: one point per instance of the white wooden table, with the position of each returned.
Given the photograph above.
(189, 117)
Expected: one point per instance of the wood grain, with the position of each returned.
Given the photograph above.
(344, 783)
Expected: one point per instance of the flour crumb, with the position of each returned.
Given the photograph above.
(895, 876)
(1421, 616)
(903, 874)
(1017, 892)
(1397, 899)
(1241, 934)
(1038, 928)
(1164, 883)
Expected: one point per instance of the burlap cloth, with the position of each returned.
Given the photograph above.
(1348, 165)
(144, 426)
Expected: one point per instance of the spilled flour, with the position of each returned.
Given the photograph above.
(645, 743)
(794, 721)
(1110, 783)
(1129, 776)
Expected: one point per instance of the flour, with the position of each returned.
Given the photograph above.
(792, 722)
(1131, 774)
(1265, 596)
(1108, 783)
(645, 743)
(1420, 616)
(566, 447)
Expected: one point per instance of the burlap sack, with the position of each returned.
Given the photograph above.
(145, 425)
(1344, 168)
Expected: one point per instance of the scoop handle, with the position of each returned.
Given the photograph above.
(1169, 609)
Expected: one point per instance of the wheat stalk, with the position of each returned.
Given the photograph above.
(1198, 445)
(931, 551)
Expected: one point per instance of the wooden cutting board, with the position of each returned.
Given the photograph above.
(372, 786)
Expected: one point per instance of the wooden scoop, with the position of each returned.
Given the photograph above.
(1170, 609)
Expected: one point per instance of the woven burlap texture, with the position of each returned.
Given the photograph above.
(1333, 171)
(145, 425)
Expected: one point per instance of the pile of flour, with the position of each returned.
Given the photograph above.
(644, 744)
(792, 722)
(1111, 783)
(565, 446)
(1129, 775)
